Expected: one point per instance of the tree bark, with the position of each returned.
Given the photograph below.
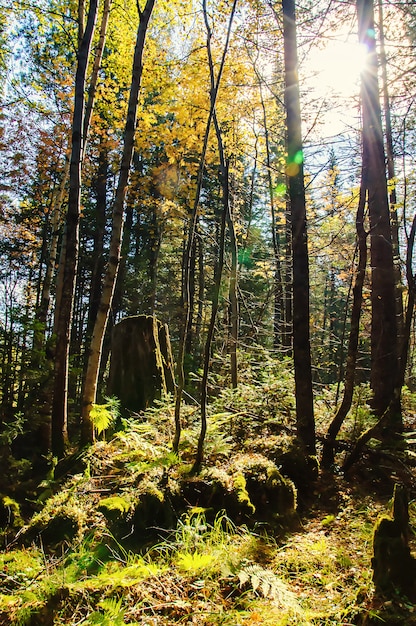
(70, 261)
(91, 378)
(191, 236)
(301, 335)
(383, 302)
(391, 174)
(224, 179)
(333, 430)
(141, 362)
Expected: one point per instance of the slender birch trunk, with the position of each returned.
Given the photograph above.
(90, 386)
(70, 261)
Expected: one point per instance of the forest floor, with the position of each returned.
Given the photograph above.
(126, 535)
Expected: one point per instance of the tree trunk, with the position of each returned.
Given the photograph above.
(383, 301)
(301, 340)
(70, 260)
(92, 89)
(328, 446)
(278, 308)
(224, 179)
(100, 188)
(191, 236)
(391, 174)
(90, 387)
(141, 362)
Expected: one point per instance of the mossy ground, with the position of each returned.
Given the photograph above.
(129, 536)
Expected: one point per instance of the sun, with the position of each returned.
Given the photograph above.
(337, 67)
(331, 75)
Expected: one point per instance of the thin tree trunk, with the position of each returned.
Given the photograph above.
(211, 326)
(90, 387)
(92, 89)
(224, 179)
(288, 284)
(70, 261)
(233, 287)
(383, 301)
(56, 211)
(305, 422)
(192, 232)
(333, 430)
(411, 286)
(100, 188)
(232, 291)
(278, 316)
(391, 174)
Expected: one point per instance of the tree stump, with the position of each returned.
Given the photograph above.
(141, 367)
(394, 568)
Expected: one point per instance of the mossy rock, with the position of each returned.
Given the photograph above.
(62, 527)
(250, 490)
(133, 522)
(302, 468)
(209, 490)
(259, 484)
(152, 514)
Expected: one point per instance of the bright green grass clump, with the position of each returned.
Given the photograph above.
(209, 573)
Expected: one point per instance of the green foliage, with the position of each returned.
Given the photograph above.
(115, 503)
(12, 507)
(111, 613)
(195, 562)
(103, 416)
(11, 430)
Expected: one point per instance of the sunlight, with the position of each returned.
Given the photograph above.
(331, 76)
(337, 67)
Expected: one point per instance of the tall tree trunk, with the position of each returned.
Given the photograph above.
(100, 188)
(224, 179)
(92, 88)
(391, 174)
(301, 337)
(70, 261)
(192, 285)
(278, 314)
(333, 430)
(56, 223)
(233, 286)
(288, 284)
(411, 287)
(383, 301)
(90, 387)
(191, 236)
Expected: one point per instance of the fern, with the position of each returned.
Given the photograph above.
(194, 562)
(113, 614)
(267, 584)
(104, 415)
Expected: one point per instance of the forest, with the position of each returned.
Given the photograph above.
(207, 330)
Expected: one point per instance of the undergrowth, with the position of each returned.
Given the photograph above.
(200, 573)
(130, 537)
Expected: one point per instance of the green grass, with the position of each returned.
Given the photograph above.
(75, 562)
(212, 574)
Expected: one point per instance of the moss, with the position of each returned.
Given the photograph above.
(272, 495)
(240, 485)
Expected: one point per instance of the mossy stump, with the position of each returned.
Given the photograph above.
(141, 362)
(394, 568)
(250, 490)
